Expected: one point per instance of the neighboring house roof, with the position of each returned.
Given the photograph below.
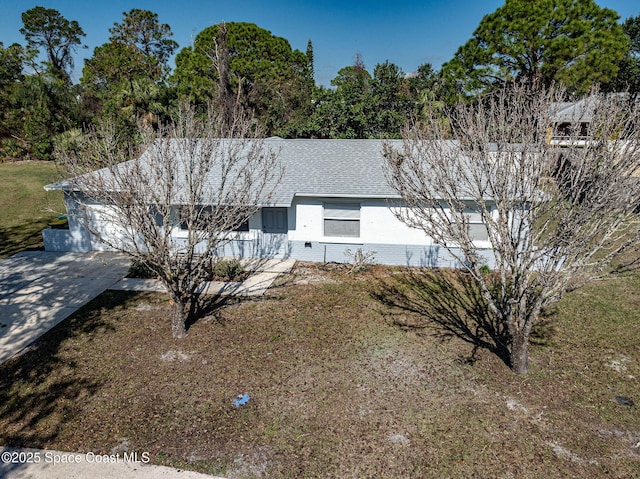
(573, 112)
(582, 111)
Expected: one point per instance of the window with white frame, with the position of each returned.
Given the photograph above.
(206, 213)
(342, 220)
(477, 228)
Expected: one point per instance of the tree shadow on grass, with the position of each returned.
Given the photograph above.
(210, 305)
(25, 237)
(448, 303)
(41, 388)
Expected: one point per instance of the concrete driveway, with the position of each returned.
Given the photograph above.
(38, 289)
(39, 464)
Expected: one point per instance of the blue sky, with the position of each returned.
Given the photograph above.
(405, 32)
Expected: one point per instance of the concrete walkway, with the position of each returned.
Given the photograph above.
(38, 289)
(264, 273)
(21, 464)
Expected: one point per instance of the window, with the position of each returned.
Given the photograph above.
(477, 228)
(201, 215)
(342, 220)
(206, 214)
(243, 227)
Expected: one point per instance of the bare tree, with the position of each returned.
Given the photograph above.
(548, 216)
(176, 205)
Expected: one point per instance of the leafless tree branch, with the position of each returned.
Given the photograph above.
(556, 213)
(202, 176)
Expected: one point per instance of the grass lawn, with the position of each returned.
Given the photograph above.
(24, 204)
(336, 388)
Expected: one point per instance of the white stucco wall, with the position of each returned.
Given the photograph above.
(102, 222)
(377, 223)
(380, 231)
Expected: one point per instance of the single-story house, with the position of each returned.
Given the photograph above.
(333, 197)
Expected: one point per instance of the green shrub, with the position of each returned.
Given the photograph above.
(229, 270)
(140, 270)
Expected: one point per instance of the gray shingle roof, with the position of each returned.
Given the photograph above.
(573, 112)
(340, 168)
(582, 111)
(330, 168)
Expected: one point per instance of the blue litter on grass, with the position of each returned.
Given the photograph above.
(240, 400)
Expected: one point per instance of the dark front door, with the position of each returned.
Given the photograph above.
(273, 242)
(274, 220)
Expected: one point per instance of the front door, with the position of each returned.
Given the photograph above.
(274, 241)
(274, 220)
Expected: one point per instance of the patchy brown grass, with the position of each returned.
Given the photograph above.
(337, 389)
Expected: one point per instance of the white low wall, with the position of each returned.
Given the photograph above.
(76, 241)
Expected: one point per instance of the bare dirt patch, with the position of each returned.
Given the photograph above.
(175, 355)
(313, 273)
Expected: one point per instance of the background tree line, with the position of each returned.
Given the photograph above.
(129, 78)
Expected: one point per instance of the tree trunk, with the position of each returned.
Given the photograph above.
(178, 319)
(225, 90)
(520, 353)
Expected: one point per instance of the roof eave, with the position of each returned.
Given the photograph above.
(58, 186)
(343, 195)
